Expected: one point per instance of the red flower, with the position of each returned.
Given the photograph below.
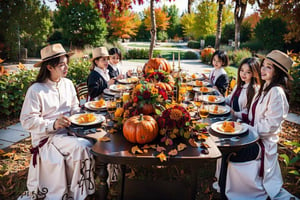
(161, 122)
(163, 93)
(146, 95)
(135, 99)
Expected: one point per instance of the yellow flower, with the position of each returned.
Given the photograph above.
(119, 112)
(154, 90)
(175, 114)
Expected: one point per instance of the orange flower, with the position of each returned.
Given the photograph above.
(154, 90)
(175, 114)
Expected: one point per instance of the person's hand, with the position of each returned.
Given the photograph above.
(61, 122)
(205, 77)
(129, 72)
(111, 81)
(120, 76)
(233, 114)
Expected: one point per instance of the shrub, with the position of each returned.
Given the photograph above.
(79, 70)
(235, 57)
(210, 40)
(13, 88)
(141, 54)
(190, 55)
(193, 44)
(162, 35)
(206, 54)
(295, 86)
(253, 45)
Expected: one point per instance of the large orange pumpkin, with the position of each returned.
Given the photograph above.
(157, 63)
(140, 129)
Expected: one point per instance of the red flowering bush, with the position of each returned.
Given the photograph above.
(174, 122)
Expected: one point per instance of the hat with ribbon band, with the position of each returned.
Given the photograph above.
(281, 60)
(99, 52)
(52, 51)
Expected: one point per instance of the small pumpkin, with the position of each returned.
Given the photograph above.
(140, 129)
(147, 109)
(157, 63)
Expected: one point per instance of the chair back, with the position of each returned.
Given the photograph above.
(82, 92)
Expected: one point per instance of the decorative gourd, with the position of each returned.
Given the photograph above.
(140, 129)
(157, 63)
(147, 109)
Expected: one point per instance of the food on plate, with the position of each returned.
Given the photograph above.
(216, 108)
(121, 87)
(194, 76)
(99, 104)
(204, 89)
(211, 98)
(228, 126)
(199, 83)
(132, 79)
(86, 118)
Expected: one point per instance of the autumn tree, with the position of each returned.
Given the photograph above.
(289, 11)
(124, 25)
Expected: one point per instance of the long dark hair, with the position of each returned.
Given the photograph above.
(222, 55)
(44, 72)
(254, 66)
(115, 50)
(279, 79)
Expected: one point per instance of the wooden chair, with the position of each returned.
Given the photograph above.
(82, 92)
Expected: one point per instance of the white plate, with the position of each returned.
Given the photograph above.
(119, 87)
(219, 99)
(239, 128)
(209, 90)
(222, 110)
(133, 79)
(99, 119)
(193, 83)
(90, 105)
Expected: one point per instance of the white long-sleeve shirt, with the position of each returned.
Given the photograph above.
(43, 103)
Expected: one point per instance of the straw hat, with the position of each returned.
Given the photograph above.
(281, 60)
(99, 52)
(52, 51)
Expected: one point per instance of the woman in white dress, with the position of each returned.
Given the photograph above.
(260, 178)
(61, 166)
(248, 81)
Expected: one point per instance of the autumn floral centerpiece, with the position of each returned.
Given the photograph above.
(160, 79)
(174, 122)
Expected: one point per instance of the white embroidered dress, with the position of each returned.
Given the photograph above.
(64, 166)
(243, 181)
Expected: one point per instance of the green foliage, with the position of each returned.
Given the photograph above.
(28, 20)
(57, 37)
(231, 71)
(210, 40)
(174, 22)
(228, 32)
(79, 70)
(253, 45)
(162, 35)
(246, 32)
(295, 91)
(270, 31)
(141, 54)
(142, 35)
(235, 57)
(81, 24)
(190, 55)
(193, 44)
(12, 91)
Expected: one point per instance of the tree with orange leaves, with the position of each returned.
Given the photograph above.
(161, 18)
(124, 25)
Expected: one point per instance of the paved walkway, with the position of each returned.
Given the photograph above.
(15, 133)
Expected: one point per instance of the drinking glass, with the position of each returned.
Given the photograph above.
(125, 97)
(111, 107)
(204, 111)
(197, 99)
(139, 71)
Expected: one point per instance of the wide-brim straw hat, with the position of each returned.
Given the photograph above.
(281, 60)
(99, 52)
(52, 51)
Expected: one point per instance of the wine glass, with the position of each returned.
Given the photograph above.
(197, 99)
(111, 107)
(204, 111)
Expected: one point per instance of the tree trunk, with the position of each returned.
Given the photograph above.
(153, 29)
(219, 24)
(190, 2)
(239, 14)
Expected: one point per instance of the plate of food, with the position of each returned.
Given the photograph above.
(87, 119)
(213, 98)
(130, 80)
(204, 90)
(229, 128)
(219, 110)
(198, 83)
(96, 105)
(119, 87)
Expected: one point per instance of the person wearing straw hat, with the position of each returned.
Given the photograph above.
(61, 165)
(260, 177)
(99, 78)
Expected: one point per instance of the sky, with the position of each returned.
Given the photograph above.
(180, 4)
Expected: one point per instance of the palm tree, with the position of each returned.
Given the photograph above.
(219, 23)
